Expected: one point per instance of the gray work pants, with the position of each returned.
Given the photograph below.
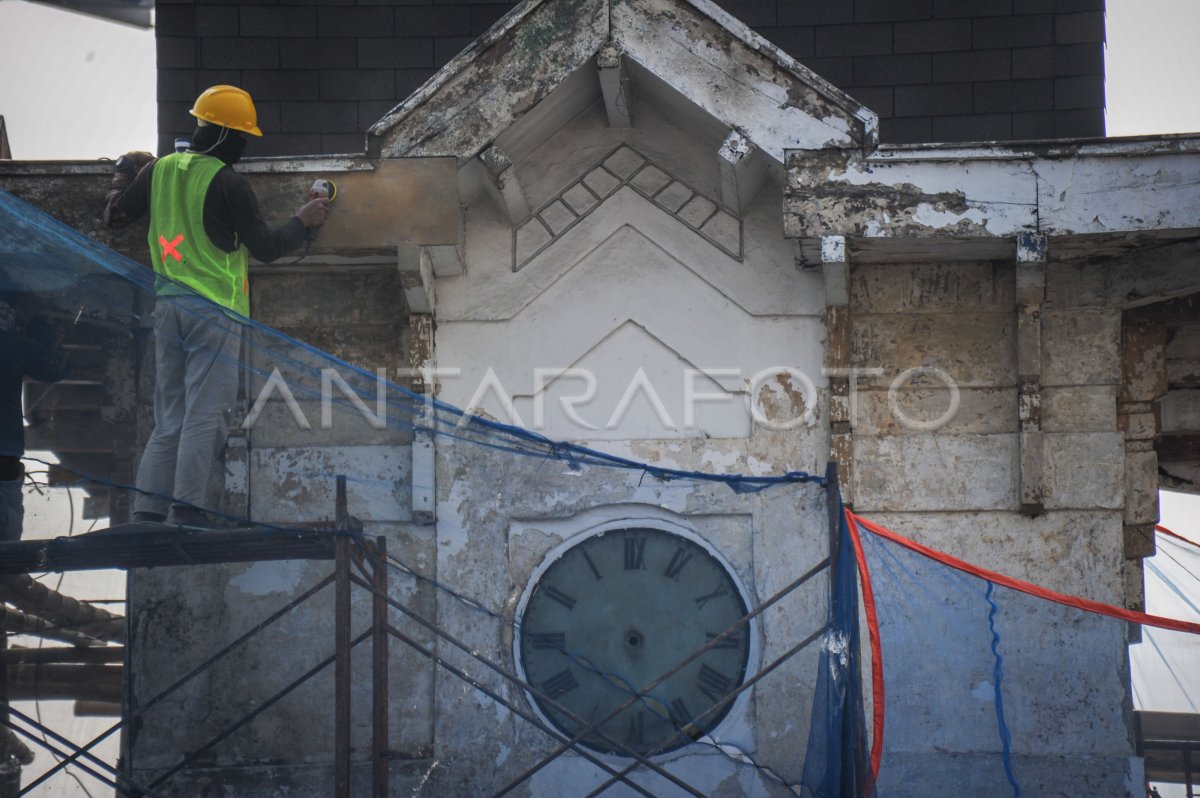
(12, 510)
(196, 352)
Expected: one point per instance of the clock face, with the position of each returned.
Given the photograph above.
(614, 613)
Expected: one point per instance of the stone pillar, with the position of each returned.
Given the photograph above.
(1143, 383)
(1030, 294)
(836, 269)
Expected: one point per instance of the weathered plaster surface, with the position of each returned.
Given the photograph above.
(489, 547)
(992, 190)
(742, 79)
(628, 285)
(735, 75)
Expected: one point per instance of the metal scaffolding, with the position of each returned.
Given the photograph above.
(358, 562)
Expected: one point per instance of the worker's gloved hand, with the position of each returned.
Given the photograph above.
(314, 212)
(129, 164)
(124, 171)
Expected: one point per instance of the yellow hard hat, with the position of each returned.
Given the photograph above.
(227, 106)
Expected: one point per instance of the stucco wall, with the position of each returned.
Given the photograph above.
(631, 281)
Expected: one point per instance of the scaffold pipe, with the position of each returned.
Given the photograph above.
(22, 623)
(65, 682)
(31, 596)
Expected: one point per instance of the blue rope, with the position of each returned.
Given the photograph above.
(998, 678)
(508, 437)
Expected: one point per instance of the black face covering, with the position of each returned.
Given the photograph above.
(209, 140)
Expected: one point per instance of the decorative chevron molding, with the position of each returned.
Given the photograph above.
(624, 166)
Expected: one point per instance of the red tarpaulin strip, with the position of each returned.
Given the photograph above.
(1028, 587)
(877, 694)
(1165, 531)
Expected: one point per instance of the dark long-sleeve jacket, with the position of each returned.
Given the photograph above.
(30, 352)
(231, 215)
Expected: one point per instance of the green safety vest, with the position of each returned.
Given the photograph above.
(180, 248)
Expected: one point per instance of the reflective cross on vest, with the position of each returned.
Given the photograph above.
(170, 248)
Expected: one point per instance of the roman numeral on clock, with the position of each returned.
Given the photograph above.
(635, 553)
(592, 565)
(678, 560)
(551, 640)
(559, 596)
(560, 684)
(713, 684)
(680, 712)
(635, 733)
(723, 590)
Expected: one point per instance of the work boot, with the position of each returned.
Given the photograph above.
(148, 517)
(14, 754)
(183, 515)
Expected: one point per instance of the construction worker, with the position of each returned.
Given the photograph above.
(204, 220)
